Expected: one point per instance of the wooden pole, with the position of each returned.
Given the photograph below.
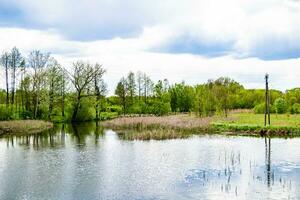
(267, 102)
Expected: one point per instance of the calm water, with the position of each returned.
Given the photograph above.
(86, 162)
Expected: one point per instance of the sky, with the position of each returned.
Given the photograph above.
(190, 40)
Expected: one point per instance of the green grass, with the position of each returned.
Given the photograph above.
(258, 119)
(253, 124)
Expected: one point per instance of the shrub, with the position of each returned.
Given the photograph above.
(259, 108)
(280, 105)
(295, 109)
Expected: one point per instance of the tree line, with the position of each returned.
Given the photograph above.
(37, 86)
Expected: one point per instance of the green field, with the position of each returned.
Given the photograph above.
(258, 119)
(284, 125)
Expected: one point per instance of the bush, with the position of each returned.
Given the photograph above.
(280, 105)
(259, 108)
(5, 113)
(115, 108)
(161, 108)
(295, 109)
(86, 111)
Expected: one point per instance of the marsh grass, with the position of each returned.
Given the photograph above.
(24, 126)
(158, 128)
(183, 125)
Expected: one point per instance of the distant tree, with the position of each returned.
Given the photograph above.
(16, 62)
(139, 83)
(148, 86)
(63, 89)
(53, 82)
(5, 60)
(100, 87)
(38, 62)
(122, 92)
(25, 86)
(280, 105)
(131, 86)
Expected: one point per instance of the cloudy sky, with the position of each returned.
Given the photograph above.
(191, 40)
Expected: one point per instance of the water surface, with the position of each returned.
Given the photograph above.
(88, 162)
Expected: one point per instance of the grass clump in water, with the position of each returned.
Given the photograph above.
(24, 126)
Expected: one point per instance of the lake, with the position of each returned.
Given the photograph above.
(89, 162)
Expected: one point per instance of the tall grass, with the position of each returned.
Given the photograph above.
(23, 126)
(153, 127)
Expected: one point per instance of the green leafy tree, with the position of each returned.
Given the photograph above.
(280, 105)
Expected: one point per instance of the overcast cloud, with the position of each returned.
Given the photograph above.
(189, 40)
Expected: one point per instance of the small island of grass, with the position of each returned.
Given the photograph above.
(24, 126)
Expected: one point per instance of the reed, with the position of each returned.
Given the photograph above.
(24, 126)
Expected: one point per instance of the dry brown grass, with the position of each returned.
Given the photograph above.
(182, 121)
(24, 126)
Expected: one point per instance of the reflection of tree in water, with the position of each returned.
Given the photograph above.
(80, 132)
(56, 137)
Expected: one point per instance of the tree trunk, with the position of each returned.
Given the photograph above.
(76, 108)
(7, 89)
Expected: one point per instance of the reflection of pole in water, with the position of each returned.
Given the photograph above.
(268, 160)
(62, 136)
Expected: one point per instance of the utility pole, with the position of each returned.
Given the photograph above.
(267, 102)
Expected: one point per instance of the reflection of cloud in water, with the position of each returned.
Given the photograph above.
(85, 162)
(248, 179)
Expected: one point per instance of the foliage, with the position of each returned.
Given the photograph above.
(38, 87)
(280, 105)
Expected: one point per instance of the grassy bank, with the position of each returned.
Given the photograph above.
(283, 125)
(23, 126)
(181, 126)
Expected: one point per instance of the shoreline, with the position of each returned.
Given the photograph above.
(181, 126)
(16, 127)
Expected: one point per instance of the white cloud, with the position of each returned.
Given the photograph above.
(119, 56)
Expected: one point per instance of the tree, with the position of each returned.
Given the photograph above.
(82, 77)
(122, 92)
(5, 59)
(53, 82)
(63, 85)
(15, 63)
(148, 86)
(139, 83)
(280, 105)
(100, 88)
(131, 86)
(37, 62)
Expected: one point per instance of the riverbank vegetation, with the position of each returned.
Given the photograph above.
(242, 122)
(37, 86)
(24, 126)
